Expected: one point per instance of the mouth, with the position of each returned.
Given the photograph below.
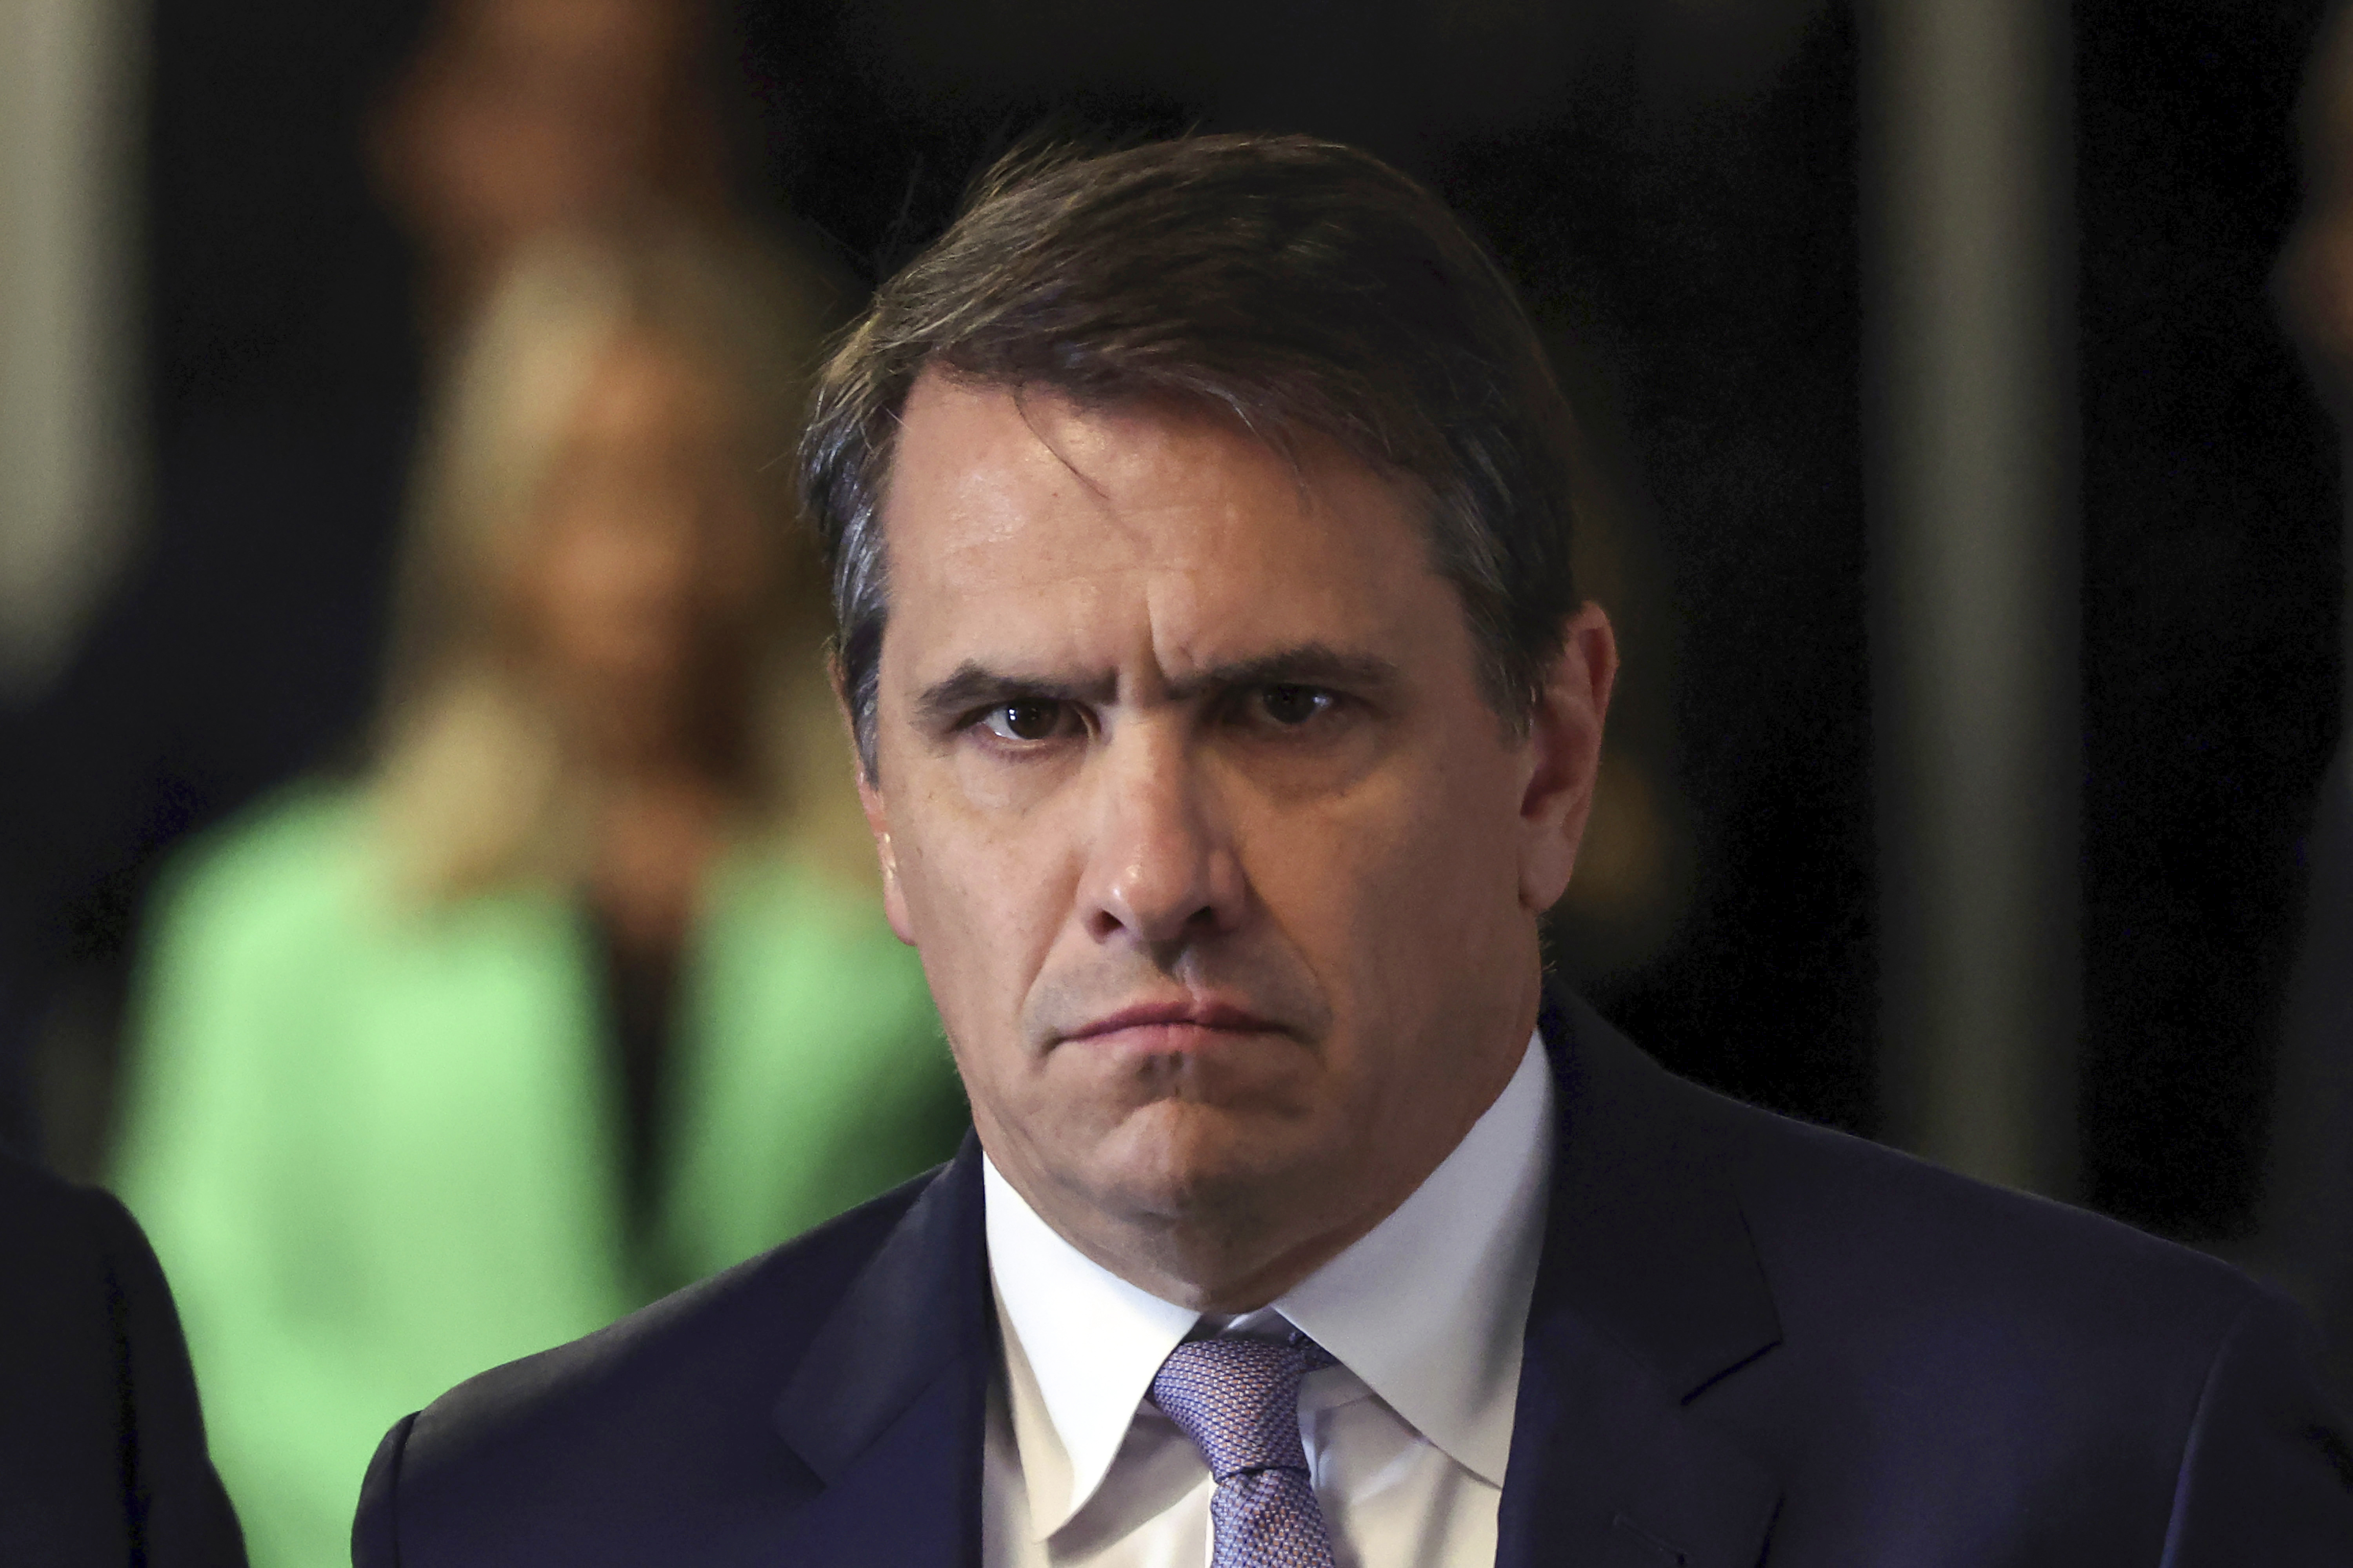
(1188, 1024)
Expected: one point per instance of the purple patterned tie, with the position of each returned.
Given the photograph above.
(1238, 1399)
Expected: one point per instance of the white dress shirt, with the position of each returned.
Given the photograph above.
(1406, 1437)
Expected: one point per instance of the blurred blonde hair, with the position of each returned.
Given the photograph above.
(472, 781)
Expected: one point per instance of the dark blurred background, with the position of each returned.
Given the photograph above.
(1679, 189)
(2213, 584)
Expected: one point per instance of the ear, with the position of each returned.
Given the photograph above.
(878, 813)
(878, 822)
(1564, 752)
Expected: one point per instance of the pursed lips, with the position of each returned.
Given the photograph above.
(1176, 1025)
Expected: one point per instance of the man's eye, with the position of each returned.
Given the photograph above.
(1294, 705)
(1038, 721)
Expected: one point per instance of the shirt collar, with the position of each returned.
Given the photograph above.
(1430, 1308)
(1427, 1309)
(1086, 1340)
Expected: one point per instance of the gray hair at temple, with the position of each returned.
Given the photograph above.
(1304, 288)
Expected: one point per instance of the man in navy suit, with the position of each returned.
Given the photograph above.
(1198, 517)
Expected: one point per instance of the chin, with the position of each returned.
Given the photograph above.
(1179, 1159)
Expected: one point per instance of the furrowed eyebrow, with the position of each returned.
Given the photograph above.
(1310, 664)
(972, 685)
(975, 686)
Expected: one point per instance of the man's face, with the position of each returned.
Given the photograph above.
(1224, 873)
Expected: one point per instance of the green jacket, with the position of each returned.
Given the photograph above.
(378, 1151)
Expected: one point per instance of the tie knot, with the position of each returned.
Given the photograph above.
(1238, 1399)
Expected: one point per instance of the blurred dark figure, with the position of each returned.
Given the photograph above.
(522, 117)
(245, 646)
(101, 1445)
(582, 990)
(2308, 1230)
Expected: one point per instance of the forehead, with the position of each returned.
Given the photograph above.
(1025, 517)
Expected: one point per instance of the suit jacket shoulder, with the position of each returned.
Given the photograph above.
(1852, 1228)
(102, 1453)
(1883, 1361)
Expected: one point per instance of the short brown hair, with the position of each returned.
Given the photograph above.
(1301, 285)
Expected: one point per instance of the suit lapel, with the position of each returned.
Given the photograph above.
(888, 1407)
(1649, 1292)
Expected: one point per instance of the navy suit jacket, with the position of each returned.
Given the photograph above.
(1751, 1339)
(102, 1459)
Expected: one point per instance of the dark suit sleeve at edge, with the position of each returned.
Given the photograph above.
(2266, 1476)
(375, 1532)
(180, 1516)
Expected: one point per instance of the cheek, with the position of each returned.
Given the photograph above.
(987, 895)
(1011, 799)
(1397, 895)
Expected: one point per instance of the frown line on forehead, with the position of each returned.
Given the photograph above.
(975, 685)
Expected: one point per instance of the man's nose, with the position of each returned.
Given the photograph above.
(1163, 868)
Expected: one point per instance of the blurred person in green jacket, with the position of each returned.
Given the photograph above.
(583, 989)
